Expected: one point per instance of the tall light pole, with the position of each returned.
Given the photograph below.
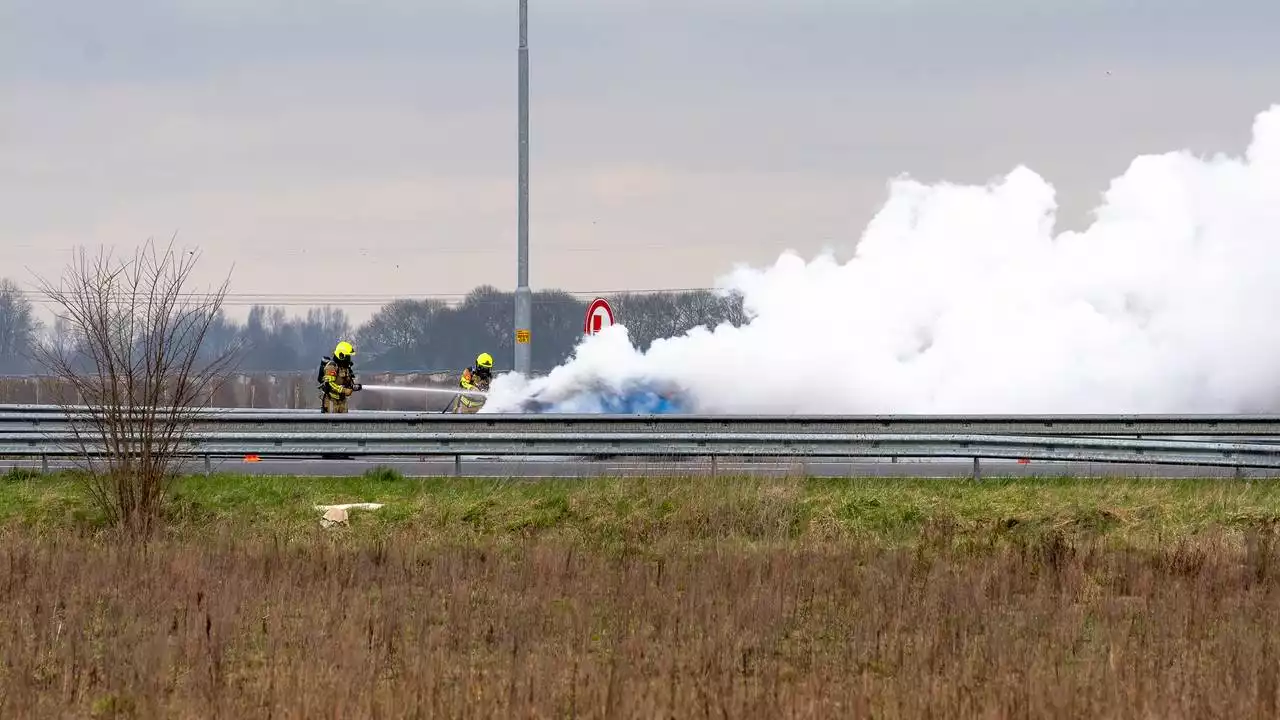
(524, 297)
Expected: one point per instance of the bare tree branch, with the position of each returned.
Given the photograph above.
(141, 372)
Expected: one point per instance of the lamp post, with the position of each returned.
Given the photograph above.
(524, 297)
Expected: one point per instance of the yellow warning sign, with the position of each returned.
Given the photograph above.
(522, 336)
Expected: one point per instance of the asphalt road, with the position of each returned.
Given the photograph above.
(472, 466)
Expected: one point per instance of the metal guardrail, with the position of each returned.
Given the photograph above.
(776, 445)
(1222, 441)
(43, 417)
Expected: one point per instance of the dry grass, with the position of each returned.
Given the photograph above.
(655, 598)
(543, 629)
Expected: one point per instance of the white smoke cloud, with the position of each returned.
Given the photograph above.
(962, 299)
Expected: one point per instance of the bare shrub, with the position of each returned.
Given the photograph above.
(138, 365)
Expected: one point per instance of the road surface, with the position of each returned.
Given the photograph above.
(473, 466)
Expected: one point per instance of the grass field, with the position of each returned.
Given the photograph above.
(646, 598)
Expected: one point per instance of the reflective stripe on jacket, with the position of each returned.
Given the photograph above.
(337, 380)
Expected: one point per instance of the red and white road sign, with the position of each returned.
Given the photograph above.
(599, 317)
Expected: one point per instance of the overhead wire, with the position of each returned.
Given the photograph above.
(232, 299)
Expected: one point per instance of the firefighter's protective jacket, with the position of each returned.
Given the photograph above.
(473, 379)
(339, 380)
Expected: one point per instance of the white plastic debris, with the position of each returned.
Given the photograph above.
(333, 516)
(339, 514)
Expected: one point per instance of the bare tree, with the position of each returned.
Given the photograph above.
(141, 372)
(18, 328)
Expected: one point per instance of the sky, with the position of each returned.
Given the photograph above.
(368, 148)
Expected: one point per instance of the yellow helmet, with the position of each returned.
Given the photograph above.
(343, 351)
(484, 360)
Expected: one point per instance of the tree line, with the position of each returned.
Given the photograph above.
(403, 335)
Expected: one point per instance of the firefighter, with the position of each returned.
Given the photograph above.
(338, 380)
(475, 378)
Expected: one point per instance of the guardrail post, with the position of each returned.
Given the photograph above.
(457, 466)
(715, 466)
(977, 470)
(44, 464)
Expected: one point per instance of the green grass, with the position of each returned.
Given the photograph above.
(641, 511)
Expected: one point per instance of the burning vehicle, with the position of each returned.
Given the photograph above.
(635, 398)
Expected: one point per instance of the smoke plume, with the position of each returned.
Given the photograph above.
(963, 299)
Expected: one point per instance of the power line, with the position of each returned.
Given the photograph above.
(417, 250)
(378, 300)
(410, 296)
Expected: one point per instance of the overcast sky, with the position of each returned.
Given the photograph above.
(370, 147)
